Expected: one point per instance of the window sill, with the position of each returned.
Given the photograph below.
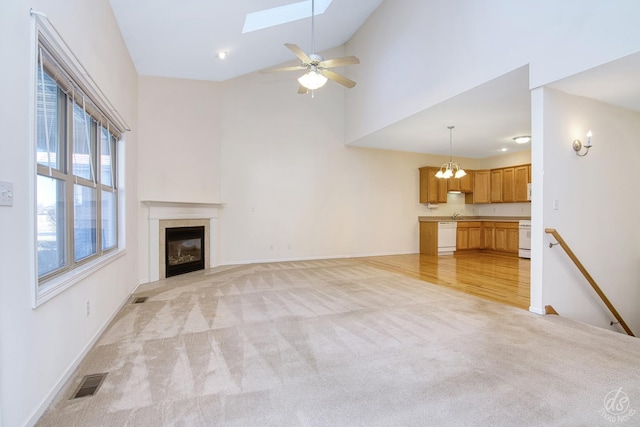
(59, 284)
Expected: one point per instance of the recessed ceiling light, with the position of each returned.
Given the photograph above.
(523, 139)
(503, 149)
(222, 54)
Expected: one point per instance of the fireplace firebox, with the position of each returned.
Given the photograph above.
(184, 250)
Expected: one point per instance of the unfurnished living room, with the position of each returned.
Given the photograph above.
(319, 213)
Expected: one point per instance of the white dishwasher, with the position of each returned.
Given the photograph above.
(447, 237)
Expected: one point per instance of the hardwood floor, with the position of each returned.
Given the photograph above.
(500, 278)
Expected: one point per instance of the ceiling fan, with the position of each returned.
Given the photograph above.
(318, 68)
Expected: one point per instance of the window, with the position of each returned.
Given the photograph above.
(76, 145)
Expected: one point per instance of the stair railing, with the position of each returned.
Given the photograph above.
(587, 276)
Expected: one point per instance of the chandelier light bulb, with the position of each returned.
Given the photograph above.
(312, 80)
(446, 170)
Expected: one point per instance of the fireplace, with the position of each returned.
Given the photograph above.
(184, 250)
(163, 215)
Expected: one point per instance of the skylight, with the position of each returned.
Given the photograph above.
(282, 14)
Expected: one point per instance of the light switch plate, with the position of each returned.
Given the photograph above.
(6, 193)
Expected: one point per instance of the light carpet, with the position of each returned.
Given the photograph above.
(342, 343)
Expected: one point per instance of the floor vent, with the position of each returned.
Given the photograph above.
(140, 300)
(89, 385)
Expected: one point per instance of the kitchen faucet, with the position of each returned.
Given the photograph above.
(457, 215)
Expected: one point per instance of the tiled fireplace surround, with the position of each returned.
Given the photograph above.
(163, 215)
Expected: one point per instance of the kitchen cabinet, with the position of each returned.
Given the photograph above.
(508, 182)
(466, 182)
(468, 235)
(488, 236)
(432, 189)
(496, 186)
(429, 238)
(522, 177)
(481, 187)
(462, 185)
(473, 235)
(506, 237)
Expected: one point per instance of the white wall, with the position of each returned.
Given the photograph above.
(293, 190)
(597, 201)
(440, 48)
(178, 149)
(39, 346)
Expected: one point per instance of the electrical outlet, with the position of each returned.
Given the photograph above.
(6, 193)
(88, 308)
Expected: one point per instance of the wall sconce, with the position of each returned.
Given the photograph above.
(577, 145)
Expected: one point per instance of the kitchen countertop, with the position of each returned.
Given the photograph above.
(473, 218)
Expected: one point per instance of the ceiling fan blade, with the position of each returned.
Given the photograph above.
(278, 69)
(339, 62)
(299, 53)
(302, 90)
(338, 78)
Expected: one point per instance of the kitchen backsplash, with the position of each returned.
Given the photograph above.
(455, 204)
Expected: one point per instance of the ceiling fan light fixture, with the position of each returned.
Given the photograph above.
(312, 80)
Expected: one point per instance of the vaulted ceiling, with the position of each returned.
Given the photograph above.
(181, 39)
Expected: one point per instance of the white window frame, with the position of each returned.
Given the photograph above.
(43, 31)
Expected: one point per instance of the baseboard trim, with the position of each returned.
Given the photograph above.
(317, 258)
(537, 310)
(35, 415)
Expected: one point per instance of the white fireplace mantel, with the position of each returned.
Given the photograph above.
(166, 210)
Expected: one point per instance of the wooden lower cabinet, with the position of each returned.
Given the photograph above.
(473, 236)
(487, 235)
(469, 235)
(506, 237)
(429, 238)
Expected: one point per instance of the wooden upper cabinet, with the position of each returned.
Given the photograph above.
(463, 185)
(466, 182)
(453, 184)
(442, 187)
(481, 187)
(522, 178)
(508, 183)
(432, 189)
(496, 185)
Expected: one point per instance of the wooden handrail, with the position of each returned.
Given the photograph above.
(587, 276)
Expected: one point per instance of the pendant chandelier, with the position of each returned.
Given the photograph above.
(448, 170)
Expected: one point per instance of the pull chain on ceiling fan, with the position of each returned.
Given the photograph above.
(318, 69)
